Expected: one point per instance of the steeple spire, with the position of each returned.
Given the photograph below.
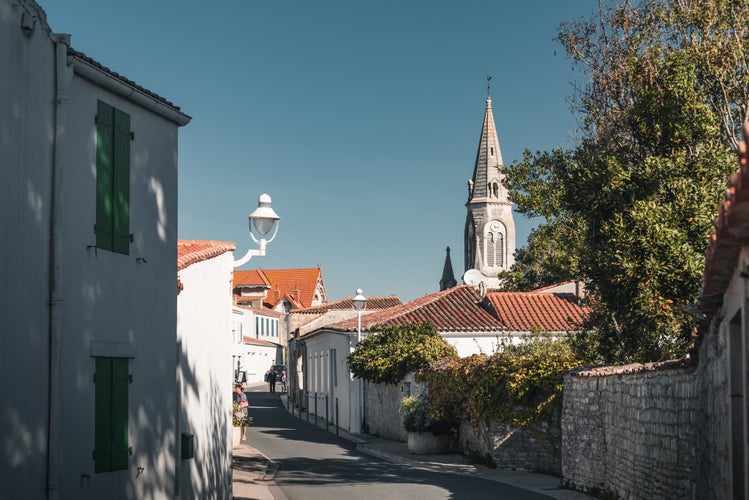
(448, 277)
(490, 228)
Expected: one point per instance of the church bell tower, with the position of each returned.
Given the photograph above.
(490, 228)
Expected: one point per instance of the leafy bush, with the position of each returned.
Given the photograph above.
(416, 417)
(519, 386)
(388, 356)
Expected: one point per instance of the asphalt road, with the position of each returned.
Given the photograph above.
(315, 464)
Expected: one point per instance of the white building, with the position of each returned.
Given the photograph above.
(88, 299)
(204, 374)
(471, 323)
(256, 342)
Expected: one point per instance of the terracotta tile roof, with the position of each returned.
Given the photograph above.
(373, 303)
(262, 312)
(249, 277)
(730, 234)
(252, 340)
(191, 251)
(550, 312)
(297, 285)
(456, 309)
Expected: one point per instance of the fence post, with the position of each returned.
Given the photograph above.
(315, 409)
(336, 416)
(327, 411)
(309, 407)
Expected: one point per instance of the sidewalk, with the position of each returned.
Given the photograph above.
(251, 468)
(250, 471)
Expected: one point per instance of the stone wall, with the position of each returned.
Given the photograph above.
(713, 422)
(630, 430)
(512, 448)
(381, 405)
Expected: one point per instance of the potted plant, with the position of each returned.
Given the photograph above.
(425, 437)
(239, 419)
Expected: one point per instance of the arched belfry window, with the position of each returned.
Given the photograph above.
(494, 249)
(490, 249)
(499, 251)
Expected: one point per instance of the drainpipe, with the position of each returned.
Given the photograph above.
(63, 74)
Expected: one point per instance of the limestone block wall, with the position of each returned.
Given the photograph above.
(513, 448)
(382, 402)
(631, 430)
(713, 474)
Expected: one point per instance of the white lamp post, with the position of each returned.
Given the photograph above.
(360, 303)
(264, 218)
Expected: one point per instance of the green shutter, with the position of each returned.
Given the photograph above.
(121, 215)
(111, 450)
(104, 175)
(119, 413)
(103, 417)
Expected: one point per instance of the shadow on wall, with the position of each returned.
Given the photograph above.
(208, 474)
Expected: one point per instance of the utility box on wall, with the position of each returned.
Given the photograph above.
(188, 446)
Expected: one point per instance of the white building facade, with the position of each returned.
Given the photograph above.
(88, 193)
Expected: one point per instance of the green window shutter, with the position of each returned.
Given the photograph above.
(121, 215)
(103, 449)
(111, 450)
(104, 175)
(119, 413)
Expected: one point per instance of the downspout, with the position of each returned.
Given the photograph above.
(63, 75)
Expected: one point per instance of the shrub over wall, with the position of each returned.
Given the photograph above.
(520, 387)
(387, 357)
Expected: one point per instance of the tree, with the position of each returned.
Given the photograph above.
(387, 357)
(661, 103)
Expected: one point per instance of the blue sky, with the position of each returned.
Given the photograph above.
(360, 119)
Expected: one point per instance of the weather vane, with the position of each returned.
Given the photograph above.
(488, 85)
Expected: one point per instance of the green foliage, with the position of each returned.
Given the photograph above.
(415, 410)
(662, 95)
(519, 386)
(387, 357)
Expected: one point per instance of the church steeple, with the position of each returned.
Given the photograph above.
(490, 228)
(448, 277)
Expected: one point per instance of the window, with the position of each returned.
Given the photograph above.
(111, 449)
(112, 179)
(490, 250)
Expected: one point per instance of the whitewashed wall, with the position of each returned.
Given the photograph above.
(255, 357)
(107, 303)
(328, 375)
(206, 376)
(26, 122)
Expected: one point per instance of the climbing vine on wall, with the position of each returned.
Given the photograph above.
(520, 386)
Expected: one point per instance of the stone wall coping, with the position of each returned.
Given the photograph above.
(609, 370)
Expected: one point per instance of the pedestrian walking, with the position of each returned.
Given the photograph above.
(283, 381)
(272, 380)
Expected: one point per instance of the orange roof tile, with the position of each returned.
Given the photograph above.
(296, 284)
(346, 305)
(252, 340)
(261, 311)
(191, 251)
(730, 234)
(249, 277)
(456, 309)
(550, 312)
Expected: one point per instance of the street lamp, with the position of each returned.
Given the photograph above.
(264, 218)
(360, 303)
